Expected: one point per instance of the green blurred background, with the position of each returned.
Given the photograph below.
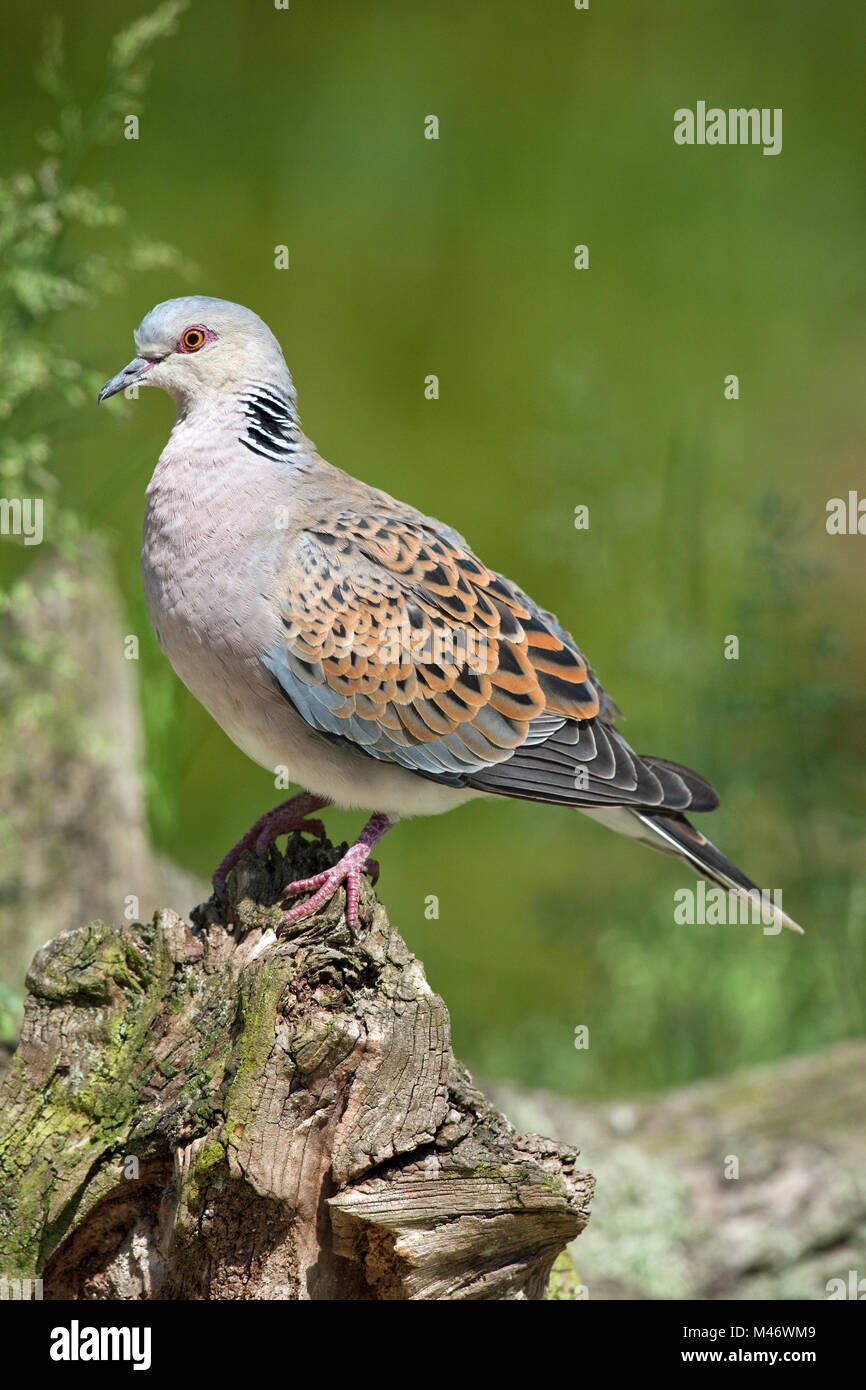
(558, 387)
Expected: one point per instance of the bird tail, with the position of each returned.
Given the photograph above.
(671, 833)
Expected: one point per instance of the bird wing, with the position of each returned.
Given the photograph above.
(399, 640)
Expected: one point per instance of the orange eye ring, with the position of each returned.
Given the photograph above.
(193, 339)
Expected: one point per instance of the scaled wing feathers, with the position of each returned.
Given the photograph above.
(400, 640)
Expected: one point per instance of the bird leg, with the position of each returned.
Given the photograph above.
(347, 870)
(289, 816)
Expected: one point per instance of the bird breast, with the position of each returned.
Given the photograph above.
(209, 563)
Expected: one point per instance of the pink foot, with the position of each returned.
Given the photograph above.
(283, 819)
(347, 870)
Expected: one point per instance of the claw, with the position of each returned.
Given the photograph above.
(348, 870)
(283, 819)
(324, 885)
(308, 826)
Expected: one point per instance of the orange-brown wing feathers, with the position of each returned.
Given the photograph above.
(441, 641)
(399, 639)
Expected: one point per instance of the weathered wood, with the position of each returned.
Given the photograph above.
(217, 1111)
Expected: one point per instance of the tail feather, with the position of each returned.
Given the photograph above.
(673, 834)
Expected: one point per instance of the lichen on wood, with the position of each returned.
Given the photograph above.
(224, 1109)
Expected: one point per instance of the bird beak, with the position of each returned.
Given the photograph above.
(130, 376)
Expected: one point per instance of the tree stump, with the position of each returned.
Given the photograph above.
(225, 1110)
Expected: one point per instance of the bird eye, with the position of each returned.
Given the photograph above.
(193, 339)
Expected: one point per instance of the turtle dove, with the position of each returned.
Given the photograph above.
(334, 631)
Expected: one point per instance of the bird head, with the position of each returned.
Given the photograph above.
(196, 348)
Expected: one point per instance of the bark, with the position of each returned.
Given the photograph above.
(213, 1110)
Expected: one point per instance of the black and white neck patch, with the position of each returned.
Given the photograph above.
(274, 428)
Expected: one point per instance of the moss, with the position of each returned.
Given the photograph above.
(260, 991)
(96, 966)
(211, 1157)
